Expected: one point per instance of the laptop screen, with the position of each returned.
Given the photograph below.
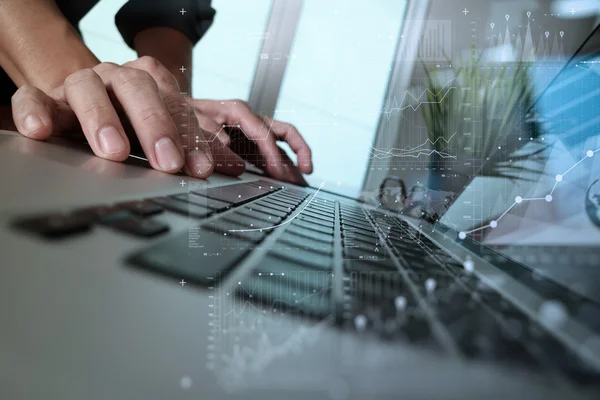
(550, 193)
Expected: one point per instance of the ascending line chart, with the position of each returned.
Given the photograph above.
(520, 200)
(414, 152)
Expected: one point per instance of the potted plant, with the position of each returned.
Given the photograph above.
(489, 118)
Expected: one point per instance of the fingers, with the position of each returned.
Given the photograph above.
(86, 94)
(292, 137)
(275, 162)
(226, 161)
(237, 112)
(31, 109)
(212, 128)
(138, 94)
(198, 158)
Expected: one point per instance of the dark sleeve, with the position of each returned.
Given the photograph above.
(137, 15)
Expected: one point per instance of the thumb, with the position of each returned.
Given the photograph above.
(37, 116)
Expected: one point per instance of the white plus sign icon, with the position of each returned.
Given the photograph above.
(183, 11)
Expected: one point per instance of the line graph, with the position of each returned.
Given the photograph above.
(400, 106)
(263, 133)
(250, 326)
(246, 359)
(286, 221)
(413, 152)
(584, 64)
(519, 199)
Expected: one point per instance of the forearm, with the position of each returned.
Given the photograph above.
(38, 46)
(172, 48)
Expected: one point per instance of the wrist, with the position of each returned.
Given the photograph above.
(171, 48)
(45, 57)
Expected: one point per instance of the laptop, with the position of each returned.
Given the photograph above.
(120, 282)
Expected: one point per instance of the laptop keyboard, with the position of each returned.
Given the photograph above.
(394, 283)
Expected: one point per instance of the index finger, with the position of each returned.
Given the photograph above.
(199, 160)
(289, 134)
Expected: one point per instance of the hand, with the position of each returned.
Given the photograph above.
(147, 97)
(257, 139)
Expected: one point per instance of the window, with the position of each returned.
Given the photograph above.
(335, 83)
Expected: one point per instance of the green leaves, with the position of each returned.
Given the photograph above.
(490, 101)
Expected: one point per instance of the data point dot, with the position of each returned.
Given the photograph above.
(548, 198)
(462, 235)
(494, 224)
(559, 178)
(590, 153)
(518, 199)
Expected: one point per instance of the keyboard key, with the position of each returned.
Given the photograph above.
(276, 295)
(254, 208)
(361, 222)
(202, 201)
(318, 214)
(355, 215)
(143, 208)
(309, 214)
(119, 215)
(201, 258)
(137, 226)
(55, 225)
(297, 276)
(249, 221)
(316, 207)
(362, 246)
(369, 265)
(237, 230)
(235, 194)
(270, 220)
(371, 287)
(288, 205)
(355, 234)
(352, 229)
(261, 184)
(182, 207)
(306, 243)
(358, 254)
(316, 221)
(304, 233)
(285, 199)
(314, 227)
(303, 257)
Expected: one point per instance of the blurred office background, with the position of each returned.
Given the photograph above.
(334, 68)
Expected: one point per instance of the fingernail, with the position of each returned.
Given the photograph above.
(32, 123)
(167, 154)
(200, 162)
(111, 140)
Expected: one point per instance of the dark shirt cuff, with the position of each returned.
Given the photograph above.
(137, 15)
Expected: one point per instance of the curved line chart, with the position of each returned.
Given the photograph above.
(212, 136)
(397, 107)
(519, 200)
(413, 152)
(286, 221)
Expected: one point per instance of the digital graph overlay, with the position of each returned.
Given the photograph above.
(287, 221)
(519, 199)
(398, 106)
(250, 329)
(415, 152)
(265, 130)
(588, 65)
